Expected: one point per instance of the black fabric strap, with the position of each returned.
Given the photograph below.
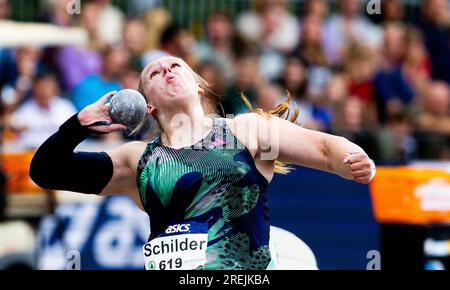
(56, 166)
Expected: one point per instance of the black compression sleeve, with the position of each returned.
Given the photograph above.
(56, 166)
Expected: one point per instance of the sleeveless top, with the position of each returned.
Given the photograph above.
(215, 181)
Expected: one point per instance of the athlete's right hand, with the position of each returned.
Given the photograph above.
(98, 112)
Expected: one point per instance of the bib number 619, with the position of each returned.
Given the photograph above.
(170, 264)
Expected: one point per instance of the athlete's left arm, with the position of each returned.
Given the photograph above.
(294, 144)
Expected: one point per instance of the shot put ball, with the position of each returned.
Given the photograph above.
(127, 107)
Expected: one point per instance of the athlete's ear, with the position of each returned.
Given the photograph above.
(152, 111)
(201, 90)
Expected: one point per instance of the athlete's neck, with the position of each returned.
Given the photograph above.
(184, 128)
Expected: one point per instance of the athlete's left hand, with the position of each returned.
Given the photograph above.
(361, 166)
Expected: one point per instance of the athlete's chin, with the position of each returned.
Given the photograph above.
(178, 92)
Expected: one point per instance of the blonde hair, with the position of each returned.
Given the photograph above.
(281, 111)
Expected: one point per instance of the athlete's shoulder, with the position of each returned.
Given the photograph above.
(129, 150)
(248, 121)
(134, 145)
(242, 119)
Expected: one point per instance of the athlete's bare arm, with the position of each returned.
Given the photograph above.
(125, 161)
(278, 139)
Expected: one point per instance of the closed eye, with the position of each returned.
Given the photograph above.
(175, 65)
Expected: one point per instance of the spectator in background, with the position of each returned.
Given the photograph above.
(115, 61)
(42, 114)
(311, 48)
(316, 8)
(269, 96)
(27, 62)
(416, 63)
(5, 9)
(348, 122)
(110, 22)
(247, 81)
(130, 77)
(133, 34)
(274, 29)
(212, 74)
(77, 62)
(19, 73)
(349, 117)
(436, 109)
(392, 11)
(175, 41)
(358, 75)
(393, 92)
(270, 24)
(156, 20)
(434, 25)
(335, 91)
(55, 12)
(217, 46)
(295, 80)
(347, 27)
(394, 46)
(396, 142)
(311, 42)
(433, 122)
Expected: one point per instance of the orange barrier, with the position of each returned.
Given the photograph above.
(411, 195)
(16, 167)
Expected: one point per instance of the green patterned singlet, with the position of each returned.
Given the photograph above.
(214, 182)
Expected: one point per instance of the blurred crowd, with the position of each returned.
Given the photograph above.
(382, 82)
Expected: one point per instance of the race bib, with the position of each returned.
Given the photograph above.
(179, 247)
